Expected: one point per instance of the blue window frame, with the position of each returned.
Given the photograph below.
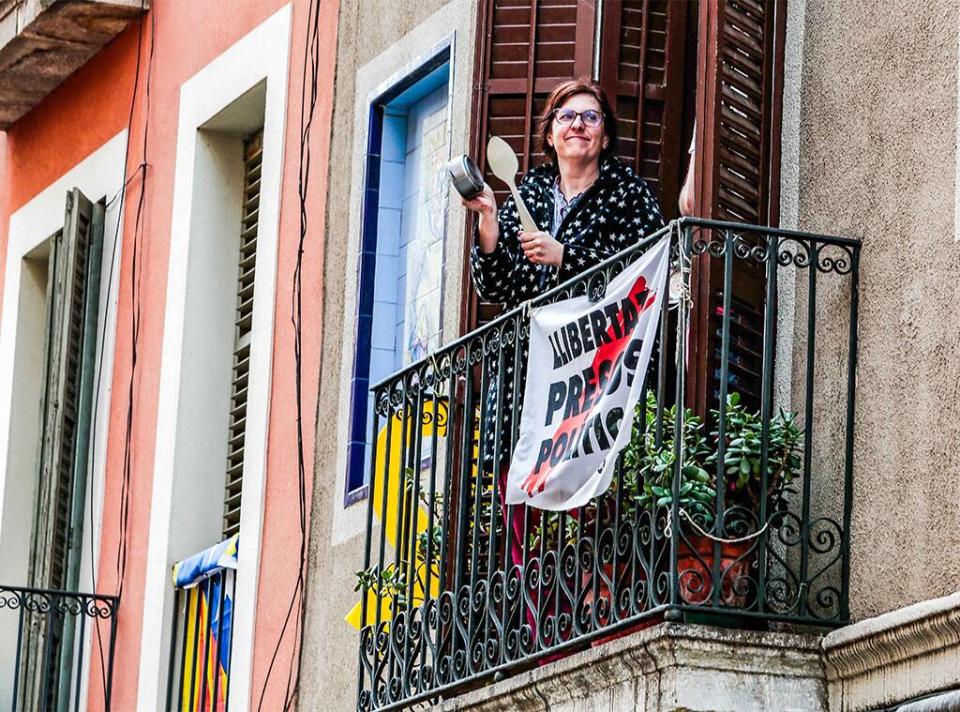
(383, 342)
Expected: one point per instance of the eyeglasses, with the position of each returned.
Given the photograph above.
(589, 117)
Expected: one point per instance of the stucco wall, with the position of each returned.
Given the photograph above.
(376, 41)
(869, 151)
(73, 122)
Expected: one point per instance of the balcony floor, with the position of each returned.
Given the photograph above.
(40, 47)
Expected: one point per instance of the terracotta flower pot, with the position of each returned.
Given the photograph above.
(695, 570)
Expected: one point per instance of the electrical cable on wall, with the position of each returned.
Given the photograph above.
(295, 609)
(120, 200)
(121, 563)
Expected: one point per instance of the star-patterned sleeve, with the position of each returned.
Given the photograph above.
(492, 271)
(635, 214)
(504, 276)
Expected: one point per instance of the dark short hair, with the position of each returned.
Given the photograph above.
(558, 96)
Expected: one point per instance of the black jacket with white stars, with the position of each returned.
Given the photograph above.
(617, 211)
(614, 213)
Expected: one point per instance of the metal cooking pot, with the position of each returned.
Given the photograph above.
(465, 175)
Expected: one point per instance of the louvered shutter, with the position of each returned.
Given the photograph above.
(525, 48)
(74, 254)
(739, 105)
(253, 154)
(740, 100)
(70, 349)
(642, 71)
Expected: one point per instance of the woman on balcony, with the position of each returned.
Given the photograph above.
(588, 205)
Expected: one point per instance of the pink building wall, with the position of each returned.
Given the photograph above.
(77, 118)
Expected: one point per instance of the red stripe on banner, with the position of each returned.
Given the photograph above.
(609, 352)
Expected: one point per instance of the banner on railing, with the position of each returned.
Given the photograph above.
(585, 372)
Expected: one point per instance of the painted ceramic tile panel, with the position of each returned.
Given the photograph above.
(425, 249)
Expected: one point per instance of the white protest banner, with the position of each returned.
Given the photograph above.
(585, 372)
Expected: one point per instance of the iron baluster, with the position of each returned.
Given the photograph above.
(808, 430)
(78, 675)
(401, 555)
(719, 520)
(207, 643)
(381, 552)
(678, 425)
(460, 589)
(195, 657)
(491, 622)
(428, 604)
(852, 342)
(221, 578)
(772, 249)
(188, 596)
(413, 514)
(446, 594)
(172, 662)
(233, 597)
(367, 546)
(490, 612)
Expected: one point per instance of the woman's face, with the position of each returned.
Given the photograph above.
(576, 141)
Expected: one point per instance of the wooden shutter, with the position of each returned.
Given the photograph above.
(73, 288)
(70, 335)
(740, 99)
(524, 49)
(739, 95)
(253, 154)
(642, 70)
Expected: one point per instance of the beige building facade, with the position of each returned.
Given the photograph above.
(868, 150)
(381, 46)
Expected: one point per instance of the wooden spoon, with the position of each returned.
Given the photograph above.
(503, 163)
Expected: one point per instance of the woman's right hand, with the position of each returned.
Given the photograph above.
(484, 202)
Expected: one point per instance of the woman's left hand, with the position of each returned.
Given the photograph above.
(541, 249)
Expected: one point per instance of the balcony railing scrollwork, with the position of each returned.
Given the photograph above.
(732, 502)
(56, 645)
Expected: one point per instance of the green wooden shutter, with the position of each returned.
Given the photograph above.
(72, 298)
(253, 155)
(73, 289)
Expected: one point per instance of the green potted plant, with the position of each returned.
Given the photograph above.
(649, 478)
(647, 483)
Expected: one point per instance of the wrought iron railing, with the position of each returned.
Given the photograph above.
(201, 633)
(735, 509)
(55, 645)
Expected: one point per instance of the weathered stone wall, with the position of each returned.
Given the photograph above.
(376, 40)
(669, 667)
(870, 138)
